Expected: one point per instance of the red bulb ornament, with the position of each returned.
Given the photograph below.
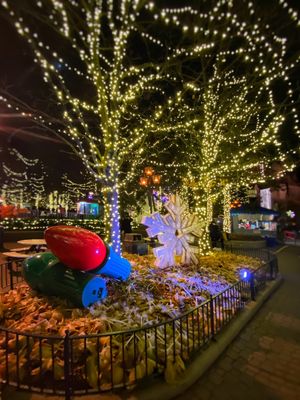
(76, 247)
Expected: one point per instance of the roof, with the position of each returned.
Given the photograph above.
(88, 201)
(257, 210)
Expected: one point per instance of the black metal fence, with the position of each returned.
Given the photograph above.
(95, 363)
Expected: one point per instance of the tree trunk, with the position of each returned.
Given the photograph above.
(112, 216)
(204, 211)
(226, 209)
(205, 244)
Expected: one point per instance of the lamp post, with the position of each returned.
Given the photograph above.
(149, 180)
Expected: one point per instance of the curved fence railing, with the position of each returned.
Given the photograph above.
(95, 363)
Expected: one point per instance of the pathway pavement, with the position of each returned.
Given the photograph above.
(263, 363)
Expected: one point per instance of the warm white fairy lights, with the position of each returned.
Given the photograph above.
(226, 207)
(238, 133)
(102, 43)
(78, 190)
(22, 184)
(234, 120)
(225, 130)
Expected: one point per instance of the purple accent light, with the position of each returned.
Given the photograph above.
(164, 198)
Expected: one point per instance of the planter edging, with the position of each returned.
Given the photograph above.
(156, 389)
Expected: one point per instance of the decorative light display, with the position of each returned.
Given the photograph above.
(59, 202)
(235, 203)
(24, 186)
(232, 133)
(84, 250)
(291, 214)
(226, 208)
(71, 192)
(45, 273)
(71, 270)
(223, 69)
(245, 274)
(34, 224)
(178, 232)
(109, 31)
(78, 190)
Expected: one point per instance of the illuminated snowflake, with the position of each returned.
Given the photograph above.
(178, 232)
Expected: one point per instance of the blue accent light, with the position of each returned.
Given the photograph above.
(245, 274)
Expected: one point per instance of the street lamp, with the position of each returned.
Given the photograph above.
(149, 180)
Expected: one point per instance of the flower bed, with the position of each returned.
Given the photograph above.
(151, 295)
(149, 298)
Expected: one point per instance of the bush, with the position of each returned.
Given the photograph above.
(40, 224)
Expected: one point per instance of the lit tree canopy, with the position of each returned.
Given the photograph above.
(22, 180)
(109, 65)
(233, 110)
(122, 72)
(78, 190)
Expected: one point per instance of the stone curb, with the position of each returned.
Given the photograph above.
(158, 390)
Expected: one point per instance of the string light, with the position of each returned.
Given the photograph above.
(118, 87)
(227, 127)
(26, 186)
(226, 208)
(42, 223)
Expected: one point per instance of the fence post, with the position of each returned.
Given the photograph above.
(2, 238)
(11, 278)
(270, 263)
(68, 388)
(212, 318)
(252, 286)
(273, 267)
(276, 266)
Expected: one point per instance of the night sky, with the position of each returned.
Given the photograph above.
(21, 76)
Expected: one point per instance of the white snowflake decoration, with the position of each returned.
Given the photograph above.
(178, 232)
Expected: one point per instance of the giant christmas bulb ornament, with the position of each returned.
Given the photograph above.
(34, 266)
(76, 247)
(44, 272)
(114, 266)
(83, 250)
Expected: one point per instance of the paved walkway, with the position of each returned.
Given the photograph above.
(263, 363)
